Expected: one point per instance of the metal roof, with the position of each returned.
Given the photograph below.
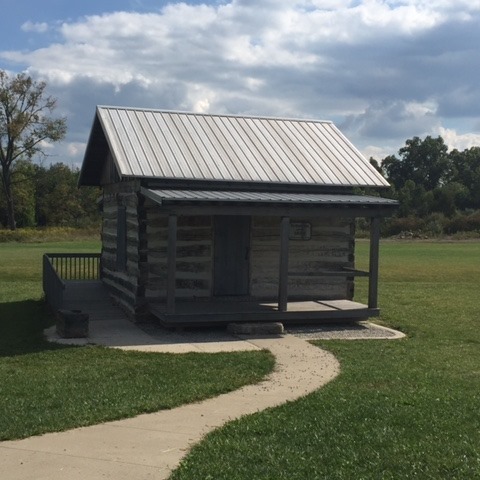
(207, 196)
(187, 146)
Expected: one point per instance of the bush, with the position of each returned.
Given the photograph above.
(433, 225)
(463, 223)
(396, 226)
(47, 234)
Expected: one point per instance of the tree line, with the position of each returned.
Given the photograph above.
(438, 189)
(49, 196)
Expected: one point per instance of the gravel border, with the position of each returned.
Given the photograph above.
(358, 331)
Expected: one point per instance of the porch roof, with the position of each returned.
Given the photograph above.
(215, 197)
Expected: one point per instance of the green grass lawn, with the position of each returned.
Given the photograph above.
(45, 387)
(403, 409)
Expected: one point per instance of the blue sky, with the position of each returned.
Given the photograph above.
(382, 70)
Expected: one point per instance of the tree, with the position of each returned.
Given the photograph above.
(465, 169)
(25, 122)
(425, 162)
(58, 205)
(23, 175)
(60, 202)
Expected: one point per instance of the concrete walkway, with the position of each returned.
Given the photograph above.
(151, 446)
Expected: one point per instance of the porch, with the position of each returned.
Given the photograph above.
(202, 313)
(72, 281)
(234, 304)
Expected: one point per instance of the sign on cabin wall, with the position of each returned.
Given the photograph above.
(300, 231)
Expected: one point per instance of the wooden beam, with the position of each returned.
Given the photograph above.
(171, 263)
(283, 272)
(320, 211)
(374, 254)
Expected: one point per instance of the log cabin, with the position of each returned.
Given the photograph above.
(222, 218)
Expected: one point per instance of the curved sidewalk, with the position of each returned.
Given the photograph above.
(152, 445)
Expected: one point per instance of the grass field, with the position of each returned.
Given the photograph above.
(403, 409)
(45, 387)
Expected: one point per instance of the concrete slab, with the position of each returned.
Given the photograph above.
(122, 333)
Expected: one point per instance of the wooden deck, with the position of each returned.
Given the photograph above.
(92, 297)
(218, 312)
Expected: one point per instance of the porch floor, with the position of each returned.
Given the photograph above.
(93, 296)
(234, 310)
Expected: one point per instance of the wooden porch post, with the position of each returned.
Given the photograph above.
(283, 273)
(171, 262)
(374, 253)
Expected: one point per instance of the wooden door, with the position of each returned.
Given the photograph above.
(231, 255)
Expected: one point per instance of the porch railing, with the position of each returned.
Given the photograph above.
(61, 267)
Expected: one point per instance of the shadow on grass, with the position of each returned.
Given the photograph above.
(21, 328)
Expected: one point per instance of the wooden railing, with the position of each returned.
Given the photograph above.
(75, 266)
(61, 267)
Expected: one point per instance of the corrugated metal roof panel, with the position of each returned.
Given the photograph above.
(179, 196)
(187, 146)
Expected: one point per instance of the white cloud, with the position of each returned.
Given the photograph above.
(384, 70)
(459, 141)
(29, 26)
(74, 149)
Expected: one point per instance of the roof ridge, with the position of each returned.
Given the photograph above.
(200, 114)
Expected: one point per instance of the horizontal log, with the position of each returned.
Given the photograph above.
(154, 233)
(314, 291)
(122, 187)
(272, 221)
(193, 285)
(113, 283)
(200, 269)
(184, 251)
(195, 221)
(301, 252)
(184, 234)
(156, 221)
(316, 232)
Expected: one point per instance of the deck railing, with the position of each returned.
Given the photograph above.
(61, 267)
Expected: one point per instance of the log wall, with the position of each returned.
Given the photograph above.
(330, 247)
(144, 276)
(126, 285)
(194, 255)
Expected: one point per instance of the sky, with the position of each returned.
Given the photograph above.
(383, 71)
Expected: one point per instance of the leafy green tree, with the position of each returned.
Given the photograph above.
(60, 202)
(465, 170)
(448, 197)
(23, 186)
(414, 200)
(425, 162)
(24, 191)
(25, 122)
(57, 204)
